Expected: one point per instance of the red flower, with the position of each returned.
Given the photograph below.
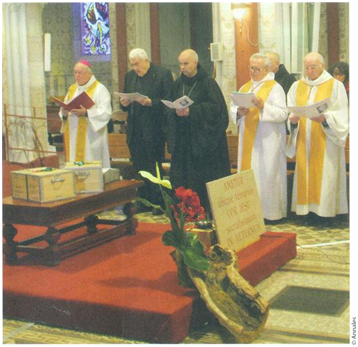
(190, 204)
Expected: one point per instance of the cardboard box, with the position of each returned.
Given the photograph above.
(19, 184)
(43, 184)
(110, 175)
(88, 176)
(206, 236)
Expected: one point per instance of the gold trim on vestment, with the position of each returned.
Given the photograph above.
(310, 169)
(252, 121)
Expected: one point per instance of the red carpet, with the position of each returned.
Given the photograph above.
(127, 287)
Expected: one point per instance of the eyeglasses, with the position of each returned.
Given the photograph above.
(254, 69)
(312, 67)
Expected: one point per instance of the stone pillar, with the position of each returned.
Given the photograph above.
(224, 32)
(35, 58)
(138, 27)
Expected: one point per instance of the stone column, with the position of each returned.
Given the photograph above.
(224, 32)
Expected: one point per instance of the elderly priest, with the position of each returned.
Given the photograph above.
(86, 135)
(318, 142)
(262, 137)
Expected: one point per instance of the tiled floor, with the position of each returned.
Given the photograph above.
(322, 266)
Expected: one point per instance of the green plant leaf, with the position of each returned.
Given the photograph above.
(195, 257)
(193, 252)
(191, 239)
(144, 202)
(170, 239)
(150, 177)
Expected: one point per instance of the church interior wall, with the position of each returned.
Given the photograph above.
(174, 36)
(174, 33)
(181, 25)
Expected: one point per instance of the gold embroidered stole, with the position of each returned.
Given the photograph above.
(81, 127)
(309, 182)
(252, 121)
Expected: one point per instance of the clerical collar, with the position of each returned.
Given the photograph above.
(269, 76)
(324, 77)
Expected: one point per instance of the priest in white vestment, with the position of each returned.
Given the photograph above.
(262, 137)
(86, 135)
(319, 142)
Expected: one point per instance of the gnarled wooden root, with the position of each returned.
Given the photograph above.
(234, 302)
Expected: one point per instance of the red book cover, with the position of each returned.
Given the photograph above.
(82, 99)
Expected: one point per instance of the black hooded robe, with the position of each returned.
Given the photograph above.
(198, 143)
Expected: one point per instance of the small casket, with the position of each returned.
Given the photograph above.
(42, 184)
(88, 176)
(19, 184)
(110, 175)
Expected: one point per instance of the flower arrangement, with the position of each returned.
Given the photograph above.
(189, 204)
(181, 207)
(237, 305)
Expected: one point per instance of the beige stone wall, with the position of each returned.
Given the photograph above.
(36, 70)
(114, 48)
(343, 9)
(4, 65)
(131, 28)
(323, 43)
(344, 31)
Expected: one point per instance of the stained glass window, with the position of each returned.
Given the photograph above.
(95, 29)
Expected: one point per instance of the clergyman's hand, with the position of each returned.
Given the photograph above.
(293, 118)
(125, 101)
(183, 112)
(242, 111)
(258, 102)
(144, 101)
(319, 119)
(79, 112)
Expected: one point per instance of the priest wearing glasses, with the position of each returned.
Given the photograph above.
(197, 134)
(320, 187)
(262, 137)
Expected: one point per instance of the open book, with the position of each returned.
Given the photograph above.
(182, 102)
(242, 99)
(82, 99)
(312, 110)
(130, 96)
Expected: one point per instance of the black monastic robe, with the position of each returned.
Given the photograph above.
(198, 142)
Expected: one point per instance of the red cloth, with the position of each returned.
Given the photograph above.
(127, 287)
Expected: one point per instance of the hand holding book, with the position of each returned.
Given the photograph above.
(243, 99)
(180, 103)
(77, 103)
(127, 98)
(311, 111)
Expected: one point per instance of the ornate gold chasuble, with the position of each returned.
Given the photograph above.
(252, 121)
(81, 128)
(309, 181)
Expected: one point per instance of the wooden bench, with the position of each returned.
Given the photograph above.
(232, 141)
(120, 158)
(119, 151)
